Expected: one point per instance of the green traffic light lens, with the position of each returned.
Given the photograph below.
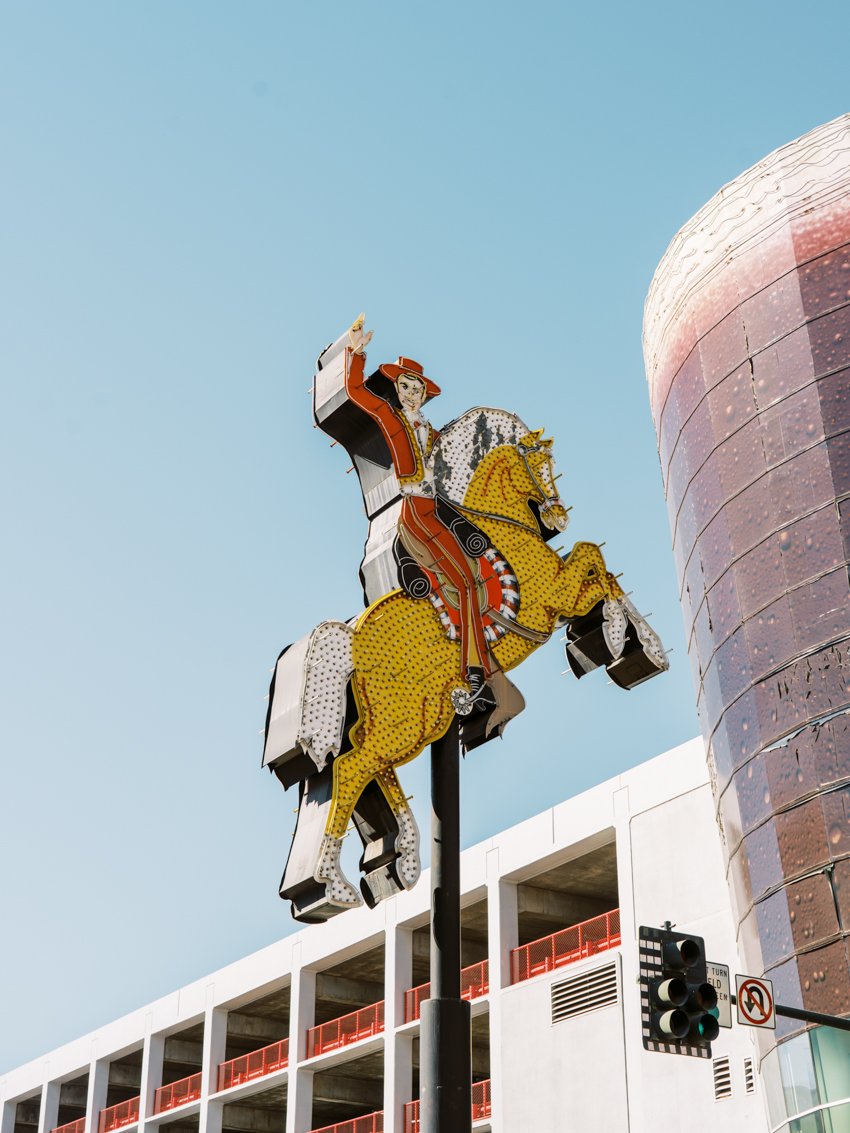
(708, 1028)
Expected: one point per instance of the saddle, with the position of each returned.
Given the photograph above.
(417, 570)
(498, 600)
(420, 576)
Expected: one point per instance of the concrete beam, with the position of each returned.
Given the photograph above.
(252, 1119)
(73, 1095)
(567, 908)
(120, 1074)
(346, 992)
(359, 1091)
(470, 951)
(254, 1027)
(27, 1113)
(184, 1053)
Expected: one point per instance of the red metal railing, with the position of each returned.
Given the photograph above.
(253, 1065)
(474, 981)
(347, 1029)
(481, 1107)
(411, 1116)
(77, 1126)
(371, 1123)
(117, 1116)
(566, 946)
(178, 1093)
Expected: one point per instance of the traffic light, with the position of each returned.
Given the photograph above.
(677, 1001)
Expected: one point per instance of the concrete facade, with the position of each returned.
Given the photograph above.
(644, 843)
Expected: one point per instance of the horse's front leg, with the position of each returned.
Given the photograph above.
(603, 626)
(585, 582)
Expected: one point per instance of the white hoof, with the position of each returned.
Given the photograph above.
(338, 890)
(408, 865)
(647, 636)
(615, 624)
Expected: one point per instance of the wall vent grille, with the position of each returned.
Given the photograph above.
(749, 1076)
(722, 1078)
(587, 992)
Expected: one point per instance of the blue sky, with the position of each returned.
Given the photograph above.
(196, 198)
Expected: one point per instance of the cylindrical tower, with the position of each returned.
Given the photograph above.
(747, 347)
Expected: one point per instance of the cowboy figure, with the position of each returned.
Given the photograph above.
(410, 438)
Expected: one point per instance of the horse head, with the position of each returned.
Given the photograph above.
(535, 453)
(490, 462)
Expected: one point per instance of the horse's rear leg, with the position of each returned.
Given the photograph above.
(351, 774)
(379, 829)
(407, 843)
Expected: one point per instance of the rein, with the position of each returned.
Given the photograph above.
(534, 635)
(548, 501)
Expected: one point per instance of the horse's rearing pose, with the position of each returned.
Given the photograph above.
(407, 662)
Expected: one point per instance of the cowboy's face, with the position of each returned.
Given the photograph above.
(411, 392)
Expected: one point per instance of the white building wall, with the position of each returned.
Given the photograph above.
(562, 1075)
(677, 873)
(589, 1071)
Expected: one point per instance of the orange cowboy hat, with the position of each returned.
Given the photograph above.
(394, 370)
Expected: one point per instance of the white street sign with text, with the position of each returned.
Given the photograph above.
(718, 977)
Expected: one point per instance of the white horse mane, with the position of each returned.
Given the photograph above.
(464, 443)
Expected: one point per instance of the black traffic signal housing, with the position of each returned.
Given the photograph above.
(677, 1001)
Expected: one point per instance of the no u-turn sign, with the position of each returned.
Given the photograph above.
(755, 1002)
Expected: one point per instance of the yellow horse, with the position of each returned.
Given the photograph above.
(406, 680)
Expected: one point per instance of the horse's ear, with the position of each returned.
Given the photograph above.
(530, 440)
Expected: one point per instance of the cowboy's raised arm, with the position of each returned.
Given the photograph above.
(355, 370)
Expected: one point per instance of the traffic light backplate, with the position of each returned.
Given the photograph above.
(677, 1002)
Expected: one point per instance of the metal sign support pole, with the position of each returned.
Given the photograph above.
(446, 1060)
(835, 1021)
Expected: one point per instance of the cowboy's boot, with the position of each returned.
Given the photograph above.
(479, 698)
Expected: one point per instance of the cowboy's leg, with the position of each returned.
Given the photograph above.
(421, 517)
(455, 565)
(418, 516)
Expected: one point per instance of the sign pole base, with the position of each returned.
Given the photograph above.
(445, 1104)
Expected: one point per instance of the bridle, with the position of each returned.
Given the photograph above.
(525, 451)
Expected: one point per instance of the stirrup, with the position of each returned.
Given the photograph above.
(479, 695)
(462, 702)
